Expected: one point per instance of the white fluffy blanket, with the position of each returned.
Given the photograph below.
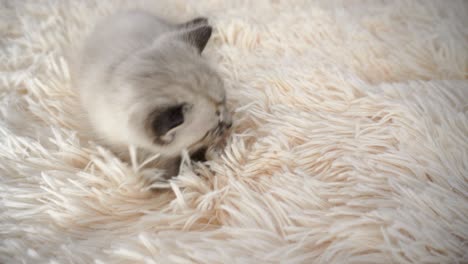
(350, 141)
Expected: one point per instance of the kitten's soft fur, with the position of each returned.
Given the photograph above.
(142, 81)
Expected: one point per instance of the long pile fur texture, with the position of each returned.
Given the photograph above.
(350, 141)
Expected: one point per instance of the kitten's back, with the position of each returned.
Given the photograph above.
(122, 34)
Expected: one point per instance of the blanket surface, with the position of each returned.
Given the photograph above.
(350, 140)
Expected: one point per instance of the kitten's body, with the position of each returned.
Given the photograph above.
(142, 81)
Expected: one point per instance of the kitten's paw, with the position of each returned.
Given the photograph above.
(199, 155)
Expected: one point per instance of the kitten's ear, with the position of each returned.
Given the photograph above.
(199, 21)
(198, 36)
(163, 120)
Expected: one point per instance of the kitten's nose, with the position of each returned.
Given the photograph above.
(228, 124)
(225, 125)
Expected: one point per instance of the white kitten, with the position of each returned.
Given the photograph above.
(143, 82)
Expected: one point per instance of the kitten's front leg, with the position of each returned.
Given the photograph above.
(171, 167)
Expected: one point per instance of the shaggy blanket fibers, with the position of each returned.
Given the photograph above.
(350, 141)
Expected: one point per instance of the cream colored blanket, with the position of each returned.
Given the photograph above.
(350, 140)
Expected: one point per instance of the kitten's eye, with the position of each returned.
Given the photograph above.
(168, 118)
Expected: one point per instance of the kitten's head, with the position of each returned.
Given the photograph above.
(178, 101)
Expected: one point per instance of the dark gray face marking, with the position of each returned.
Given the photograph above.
(163, 120)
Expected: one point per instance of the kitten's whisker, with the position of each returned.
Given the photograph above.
(148, 160)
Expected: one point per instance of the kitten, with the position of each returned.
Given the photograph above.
(142, 81)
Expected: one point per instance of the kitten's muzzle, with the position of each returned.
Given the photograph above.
(226, 125)
(223, 127)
